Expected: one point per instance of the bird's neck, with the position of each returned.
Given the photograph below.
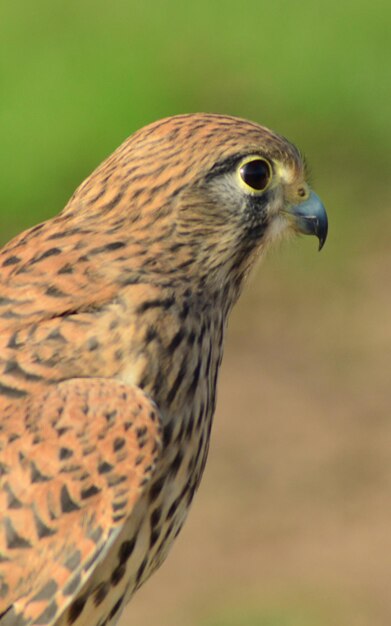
(176, 349)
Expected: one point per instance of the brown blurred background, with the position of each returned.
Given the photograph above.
(292, 523)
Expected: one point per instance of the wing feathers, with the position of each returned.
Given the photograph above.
(88, 449)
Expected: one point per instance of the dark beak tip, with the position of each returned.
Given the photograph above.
(321, 231)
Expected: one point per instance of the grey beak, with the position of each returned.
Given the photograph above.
(311, 218)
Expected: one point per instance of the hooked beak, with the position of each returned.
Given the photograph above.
(311, 218)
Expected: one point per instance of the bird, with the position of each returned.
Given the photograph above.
(113, 315)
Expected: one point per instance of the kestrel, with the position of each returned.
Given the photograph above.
(112, 320)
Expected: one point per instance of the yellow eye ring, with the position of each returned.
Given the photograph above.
(255, 173)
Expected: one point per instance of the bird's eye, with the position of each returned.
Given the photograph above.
(256, 173)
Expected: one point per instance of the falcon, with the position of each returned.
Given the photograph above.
(112, 323)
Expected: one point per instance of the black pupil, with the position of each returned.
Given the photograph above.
(256, 174)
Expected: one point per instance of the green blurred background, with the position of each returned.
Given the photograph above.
(292, 523)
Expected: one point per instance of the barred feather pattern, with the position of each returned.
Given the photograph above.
(112, 321)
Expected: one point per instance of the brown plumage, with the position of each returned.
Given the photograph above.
(112, 318)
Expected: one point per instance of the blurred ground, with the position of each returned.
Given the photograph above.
(291, 526)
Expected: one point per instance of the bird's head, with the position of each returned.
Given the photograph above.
(202, 195)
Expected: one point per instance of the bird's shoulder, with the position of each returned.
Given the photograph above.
(48, 271)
